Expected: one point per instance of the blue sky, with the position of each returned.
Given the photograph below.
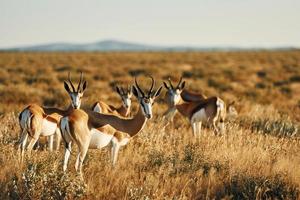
(245, 23)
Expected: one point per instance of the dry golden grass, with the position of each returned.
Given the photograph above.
(257, 158)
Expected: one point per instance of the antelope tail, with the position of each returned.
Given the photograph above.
(25, 118)
(65, 130)
(221, 110)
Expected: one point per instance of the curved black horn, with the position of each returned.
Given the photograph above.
(138, 87)
(69, 79)
(152, 85)
(169, 80)
(80, 81)
(179, 82)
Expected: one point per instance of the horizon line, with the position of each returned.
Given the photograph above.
(221, 46)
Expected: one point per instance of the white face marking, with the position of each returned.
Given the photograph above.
(126, 102)
(174, 96)
(99, 139)
(76, 100)
(147, 108)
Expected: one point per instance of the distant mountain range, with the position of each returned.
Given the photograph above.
(115, 45)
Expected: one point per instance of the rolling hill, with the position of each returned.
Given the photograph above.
(116, 45)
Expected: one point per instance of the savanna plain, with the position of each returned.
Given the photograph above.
(257, 157)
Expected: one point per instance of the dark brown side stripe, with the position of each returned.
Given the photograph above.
(203, 104)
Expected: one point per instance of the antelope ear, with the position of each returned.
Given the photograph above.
(157, 93)
(182, 85)
(84, 85)
(166, 86)
(231, 104)
(67, 88)
(118, 90)
(130, 89)
(135, 91)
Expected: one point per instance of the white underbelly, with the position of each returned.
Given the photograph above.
(199, 116)
(48, 128)
(99, 139)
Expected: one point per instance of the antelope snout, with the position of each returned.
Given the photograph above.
(148, 116)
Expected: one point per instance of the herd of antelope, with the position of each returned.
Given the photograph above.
(105, 124)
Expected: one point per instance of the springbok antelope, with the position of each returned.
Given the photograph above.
(172, 95)
(94, 130)
(36, 121)
(123, 110)
(211, 110)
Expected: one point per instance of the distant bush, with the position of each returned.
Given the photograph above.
(251, 94)
(295, 78)
(196, 73)
(260, 85)
(280, 83)
(261, 74)
(65, 68)
(286, 90)
(218, 85)
(278, 128)
(137, 72)
(229, 73)
(187, 74)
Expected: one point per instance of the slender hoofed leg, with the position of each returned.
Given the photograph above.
(23, 142)
(216, 130)
(199, 128)
(82, 153)
(114, 152)
(50, 142)
(31, 144)
(222, 127)
(68, 150)
(58, 139)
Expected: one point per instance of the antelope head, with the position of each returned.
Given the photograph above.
(75, 94)
(125, 95)
(173, 93)
(146, 100)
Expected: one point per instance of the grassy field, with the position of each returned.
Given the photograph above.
(257, 157)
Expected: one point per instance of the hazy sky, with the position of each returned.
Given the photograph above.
(250, 23)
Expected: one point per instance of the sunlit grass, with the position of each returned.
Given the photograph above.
(256, 158)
